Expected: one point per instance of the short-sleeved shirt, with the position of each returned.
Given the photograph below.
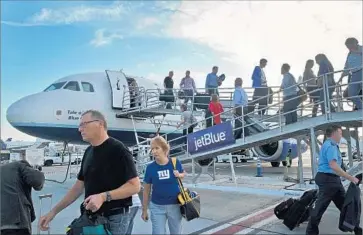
(329, 152)
(216, 109)
(169, 82)
(165, 187)
(187, 116)
(287, 85)
(107, 167)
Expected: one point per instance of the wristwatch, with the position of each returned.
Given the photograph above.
(108, 197)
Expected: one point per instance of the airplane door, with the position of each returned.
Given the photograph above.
(118, 82)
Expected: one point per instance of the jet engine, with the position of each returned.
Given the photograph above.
(269, 152)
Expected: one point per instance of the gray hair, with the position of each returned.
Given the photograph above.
(97, 115)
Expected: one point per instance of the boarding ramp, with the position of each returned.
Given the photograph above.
(306, 126)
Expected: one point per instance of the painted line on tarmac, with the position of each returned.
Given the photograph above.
(255, 227)
(247, 190)
(243, 223)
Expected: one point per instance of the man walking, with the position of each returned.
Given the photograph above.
(328, 180)
(108, 176)
(17, 211)
(261, 90)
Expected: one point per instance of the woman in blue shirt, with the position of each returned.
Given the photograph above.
(161, 177)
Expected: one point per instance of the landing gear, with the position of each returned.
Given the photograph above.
(275, 164)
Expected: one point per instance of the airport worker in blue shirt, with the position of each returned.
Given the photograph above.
(211, 83)
(161, 178)
(328, 179)
(354, 65)
(240, 101)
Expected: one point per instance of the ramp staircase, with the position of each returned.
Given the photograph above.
(266, 131)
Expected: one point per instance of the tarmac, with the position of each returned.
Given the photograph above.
(223, 211)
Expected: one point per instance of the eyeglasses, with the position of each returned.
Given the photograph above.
(82, 124)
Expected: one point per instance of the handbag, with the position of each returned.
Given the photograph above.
(89, 224)
(189, 201)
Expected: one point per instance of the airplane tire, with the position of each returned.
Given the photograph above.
(48, 163)
(284, 163)
(275, 164)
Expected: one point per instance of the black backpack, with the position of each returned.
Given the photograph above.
(300, 210)
(281, 209)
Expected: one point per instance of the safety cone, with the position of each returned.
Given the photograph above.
(259, 168)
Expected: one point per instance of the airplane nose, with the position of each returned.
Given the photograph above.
(15, 112)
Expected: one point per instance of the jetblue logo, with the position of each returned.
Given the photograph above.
(163, 175)
(211, 138)
(208, 139)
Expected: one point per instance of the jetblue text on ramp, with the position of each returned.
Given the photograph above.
(211, 138)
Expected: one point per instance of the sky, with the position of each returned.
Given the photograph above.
(42, 41)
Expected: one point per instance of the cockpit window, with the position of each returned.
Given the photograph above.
(73, 86)
(55, 86)
(87, 87)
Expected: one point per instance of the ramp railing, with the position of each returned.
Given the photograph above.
(330, 100)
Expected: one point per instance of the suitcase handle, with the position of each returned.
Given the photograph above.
(45, 196)
(41, 197)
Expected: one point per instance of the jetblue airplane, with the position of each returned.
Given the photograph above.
(54, 113)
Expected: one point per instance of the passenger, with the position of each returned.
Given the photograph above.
(259, 82)
(134, 94)
(211, 83)
(187, 119)
(108, 177)
(240, 99)
(187, 84)
(354, 65)
(328, 180)
(161, 179)
(311, 86)
(216, 109)
(17, 210)
(136, 204)
(325, 67)
(169, 92)
(290, 99)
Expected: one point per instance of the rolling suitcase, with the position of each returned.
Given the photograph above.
(41, 197)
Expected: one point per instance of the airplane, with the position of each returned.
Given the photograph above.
(9, 144)
(54, 113)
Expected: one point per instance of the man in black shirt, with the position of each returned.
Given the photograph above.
(107, 175)
(169, 85)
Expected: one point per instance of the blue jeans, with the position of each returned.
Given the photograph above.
(330, 95)
(161, 213)
(119, 223)
(355, 88)
(133, 212)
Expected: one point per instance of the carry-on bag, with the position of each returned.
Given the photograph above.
(299, 212)
(89, 224)
(281, 209)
